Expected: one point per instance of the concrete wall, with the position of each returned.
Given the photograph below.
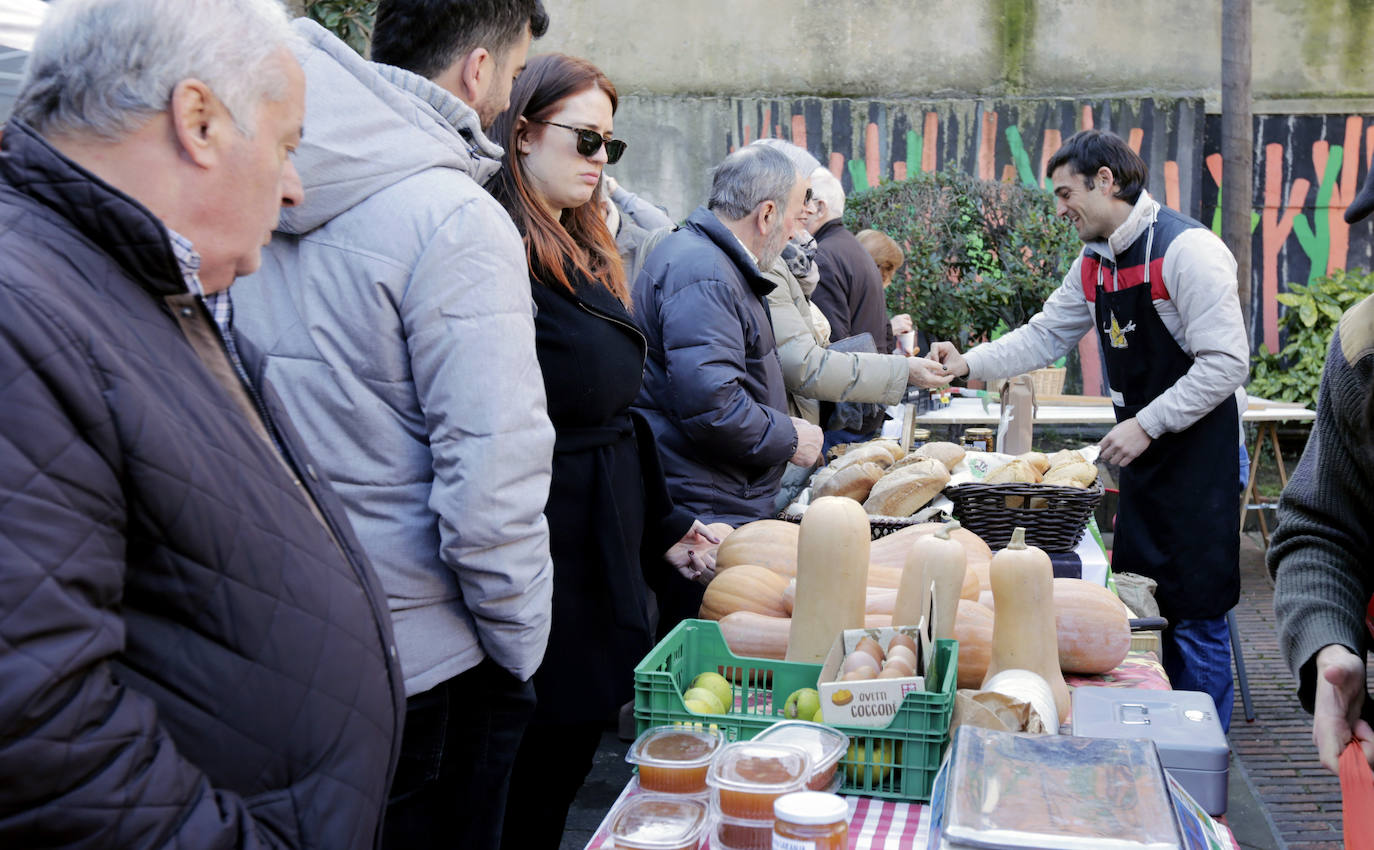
(1304, 50)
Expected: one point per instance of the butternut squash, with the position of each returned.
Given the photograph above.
(935, 570)
(770, 543)
(973, 629)
(832, 576)
(1024, 635)
(752, 635)
(1093, 628)
(744, 588)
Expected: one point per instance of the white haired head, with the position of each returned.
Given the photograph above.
(826, 188)
(104, 67)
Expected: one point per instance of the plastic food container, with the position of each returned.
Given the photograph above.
(729, 833)
(825, 745)
(748, 776)
(659, 822)
(674, 760)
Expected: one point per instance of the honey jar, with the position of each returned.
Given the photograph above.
(810, 820)
(978, 439)
(674, 760)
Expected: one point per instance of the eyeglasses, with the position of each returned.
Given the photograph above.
(808, 200)
(590, 141)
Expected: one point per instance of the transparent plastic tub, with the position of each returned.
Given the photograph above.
(659, 822)
(747, 776)
(674, 760)
(826, 745)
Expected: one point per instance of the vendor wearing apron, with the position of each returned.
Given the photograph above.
(1159, 291)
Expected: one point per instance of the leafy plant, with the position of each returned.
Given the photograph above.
(979, 255)
(350, 20)
(1314, 310)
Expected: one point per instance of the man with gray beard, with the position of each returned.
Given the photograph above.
(713, 389)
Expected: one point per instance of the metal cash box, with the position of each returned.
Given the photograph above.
(1183, 725)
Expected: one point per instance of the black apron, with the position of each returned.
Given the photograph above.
(1177, 521)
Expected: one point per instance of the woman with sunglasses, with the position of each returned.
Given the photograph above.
(608, 509)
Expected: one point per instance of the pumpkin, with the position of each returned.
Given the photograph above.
(754, 635)
(744, 588)
(973, 630)
(891, 550)
(1024, 636)
(832, 576)
(770, 543)
(1094, 630)
(878, 600)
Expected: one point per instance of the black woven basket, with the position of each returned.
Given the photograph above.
(877, 526)
(1056, 522)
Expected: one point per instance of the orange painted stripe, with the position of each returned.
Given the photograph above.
(1214, 167)
(1171, 190)
(1136, 138)
(1342, 194)
(748, 134)
(1009, 173)
(766, 122)
(929, 133)
(1087, 118)
(799, 130)
(1053, 141)
(837, 165)
(872, 160)
(899, 171)
(987, 147)
(1274, 232)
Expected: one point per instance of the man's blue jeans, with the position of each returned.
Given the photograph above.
(1197, 657)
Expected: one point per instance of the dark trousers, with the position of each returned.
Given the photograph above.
(554, 762)
(459, 744)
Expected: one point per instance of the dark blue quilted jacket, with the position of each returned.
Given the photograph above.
(713, 388)
(188, 658)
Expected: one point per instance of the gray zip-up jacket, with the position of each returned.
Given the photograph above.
(1202, 314)
(393, 312)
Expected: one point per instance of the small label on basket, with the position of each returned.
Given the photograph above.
(780, 843)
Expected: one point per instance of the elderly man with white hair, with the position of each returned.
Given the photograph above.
(196, 651)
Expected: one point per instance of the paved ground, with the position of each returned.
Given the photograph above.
(1279, 795)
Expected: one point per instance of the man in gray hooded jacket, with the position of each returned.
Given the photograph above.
(393, 314)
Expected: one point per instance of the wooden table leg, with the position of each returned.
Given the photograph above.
(1266, 431)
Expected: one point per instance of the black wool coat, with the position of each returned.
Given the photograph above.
(609, 513)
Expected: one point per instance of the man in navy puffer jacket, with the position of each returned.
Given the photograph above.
(194, 651)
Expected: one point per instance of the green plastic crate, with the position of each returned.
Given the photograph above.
(896, 762)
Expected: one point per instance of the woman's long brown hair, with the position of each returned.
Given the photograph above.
(579, 239)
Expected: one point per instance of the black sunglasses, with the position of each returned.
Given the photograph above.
(590, 141)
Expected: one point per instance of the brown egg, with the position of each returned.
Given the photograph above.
(872, 647)
(869, 672)
(906, 655)
(857, 660)
(897, 664)
(900, 639)
(893, 671)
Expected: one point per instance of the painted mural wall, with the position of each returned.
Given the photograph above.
(1307, 168)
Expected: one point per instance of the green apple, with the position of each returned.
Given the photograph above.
(716, 684)
(870, 761)
(817, 718)
(802, 704)
(704, 696)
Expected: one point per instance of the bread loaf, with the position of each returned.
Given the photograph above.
(863, 454)
(1072, 475)
(854, 481)
(948, 454)
(1038, 461)
(1017, 471)
(904, 491)
(1064, 456)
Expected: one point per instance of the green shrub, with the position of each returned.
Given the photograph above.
(1314, 310)
(979, 255)
(350, 20)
